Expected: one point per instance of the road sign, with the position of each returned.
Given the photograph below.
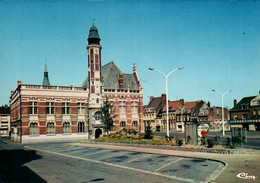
(204, 133)
(203, 127)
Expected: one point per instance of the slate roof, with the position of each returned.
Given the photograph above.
(93, 32)
(46, 81)
(110, 78)
(245, 100)
(155, 103)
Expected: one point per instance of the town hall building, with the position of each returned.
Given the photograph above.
(41, 113)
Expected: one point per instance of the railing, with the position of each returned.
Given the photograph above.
(42, 87)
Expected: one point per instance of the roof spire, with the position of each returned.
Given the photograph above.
(46, 80)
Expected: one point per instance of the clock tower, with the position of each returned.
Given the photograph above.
(94, 79)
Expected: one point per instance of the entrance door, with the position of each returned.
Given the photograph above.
(98, 132)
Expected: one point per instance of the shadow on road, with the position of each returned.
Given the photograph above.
(12, 167)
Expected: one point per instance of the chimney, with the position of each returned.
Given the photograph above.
(208, 104)
(12, 92)
(19, 82)
(164, 98)
(121, 81)
(235, 102)
(182, 101)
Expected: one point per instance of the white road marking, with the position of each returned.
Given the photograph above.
(138, 158)
(97, 152)
(115, 165)
(168, 164)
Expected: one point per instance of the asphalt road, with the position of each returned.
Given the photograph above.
(65, 162)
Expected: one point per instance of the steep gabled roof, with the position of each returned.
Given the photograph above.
(243, 101)
(173, 105)
(190, 105)
(110, 78)
(156, 104)
(110, 75)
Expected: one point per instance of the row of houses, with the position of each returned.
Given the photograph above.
(244, 114)
(180, 112)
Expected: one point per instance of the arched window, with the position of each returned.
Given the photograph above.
(34, 130)
(50, 129)
(122, 124)
(81, 127)
(97, 116)
(66, 127)
(134, 124)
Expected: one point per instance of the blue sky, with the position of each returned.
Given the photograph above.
(217, 43)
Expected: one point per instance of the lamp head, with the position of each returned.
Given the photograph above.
(150, 68)
(229, 90)
(213, 90)
(180, 68)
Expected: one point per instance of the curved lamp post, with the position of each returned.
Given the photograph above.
(166, 84)
(222, 95)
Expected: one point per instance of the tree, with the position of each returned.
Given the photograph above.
(148, 131)
(106, 116)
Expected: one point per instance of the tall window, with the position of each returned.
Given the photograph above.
(65, 108)
(122, 124)
(34, 130)
(134, 107)
(235, 116)
(81, 108)
(50, 129)
(122, 107)
(33, 107)
(66, 127)
(97, 116)
(81, 127)
(49, 107)
(134, 124)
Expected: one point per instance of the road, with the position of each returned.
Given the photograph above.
(66, 162)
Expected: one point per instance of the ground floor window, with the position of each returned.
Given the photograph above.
(122, 124)
(34, 130)
(134, 124)
(50, 129)
(81, 127)
(66, 127)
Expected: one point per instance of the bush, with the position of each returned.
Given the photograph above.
(179, 142)
(188, 139)
(216, 140)
(228, 143)
(210, 143)
(148, 132)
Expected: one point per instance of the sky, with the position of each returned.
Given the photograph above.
(217, 42)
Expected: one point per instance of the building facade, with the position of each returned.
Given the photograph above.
(55, 113)
(153, 112)
(215, 119)
(246, 113)
(172, 117)
(4, 121)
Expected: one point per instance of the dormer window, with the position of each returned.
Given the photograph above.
(245, 106)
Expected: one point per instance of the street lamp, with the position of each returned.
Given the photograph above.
(182, 124)
(222, 95)
(166, 84)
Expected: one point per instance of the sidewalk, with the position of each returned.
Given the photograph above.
(234, 163)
